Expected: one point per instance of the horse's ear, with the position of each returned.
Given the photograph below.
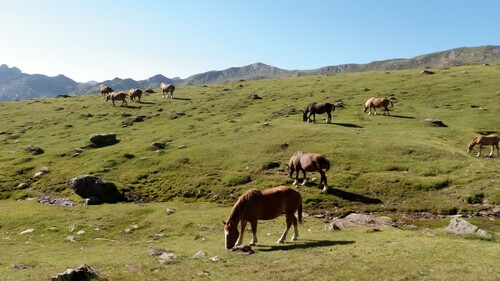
(224, 222)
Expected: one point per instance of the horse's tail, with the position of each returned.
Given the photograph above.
(299, 212)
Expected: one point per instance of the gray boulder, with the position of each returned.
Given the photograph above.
(100, 140)
(35, 150)
(96, 190)
(463, 227)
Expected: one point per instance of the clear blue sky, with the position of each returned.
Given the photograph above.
(103, 39)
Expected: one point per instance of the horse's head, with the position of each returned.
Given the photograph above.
(304, 116)
(108, 96)
(231, 234)
(290, 169)
(471, 145)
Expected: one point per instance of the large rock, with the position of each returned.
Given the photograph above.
(35, 150)
(461, 226)
(96, 190)
(103, 139)
(81, 273)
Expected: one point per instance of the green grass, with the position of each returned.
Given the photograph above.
(224, 142)
(422, 253)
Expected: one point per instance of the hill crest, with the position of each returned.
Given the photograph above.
(16, 85)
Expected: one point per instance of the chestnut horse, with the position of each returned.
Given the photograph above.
(135, 94)
(308, 162)
(484, 140)
(105, 90)
(318, 108)
(117, 96)
(167, 90)
(263, 205)
(374, 103)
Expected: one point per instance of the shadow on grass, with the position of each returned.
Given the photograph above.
(302, 244)
(145, 102)
(354, 197)
(401, 116)
(347, 125)
(132, 106)
(174, 98)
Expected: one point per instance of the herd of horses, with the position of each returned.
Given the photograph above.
(134, 94)
(271, 203)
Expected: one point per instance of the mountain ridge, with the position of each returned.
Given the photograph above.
(16, 85)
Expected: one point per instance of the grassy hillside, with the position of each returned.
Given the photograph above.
(220, 142)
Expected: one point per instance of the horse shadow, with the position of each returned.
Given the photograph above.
(347, 125)
(132, 107)
(402, 116)
(175, 98)
(353, 196)
(145, 102)
(307, 244)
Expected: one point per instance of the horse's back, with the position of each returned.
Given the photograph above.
(276, 201)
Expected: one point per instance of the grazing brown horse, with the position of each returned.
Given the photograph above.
(263, 205)
(308, 162)
(484, 140)
(167, 90)
(135, 94)
(117, 96)
(319, 108)
(105, 90)
(374, 103)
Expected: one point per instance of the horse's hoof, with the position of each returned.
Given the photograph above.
(280, 242)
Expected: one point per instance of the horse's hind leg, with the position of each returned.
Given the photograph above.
(329, 119)
(295, 228)
(289, 222)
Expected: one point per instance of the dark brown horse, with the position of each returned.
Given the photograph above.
(484, 140)
(167, 90)
(105, 90)
(374, 103)
(318, 108)
(263, 205)
(308, 162)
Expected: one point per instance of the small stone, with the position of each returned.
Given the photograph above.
(214, 259)
(27, 231)
(71, 238)
(200, 254)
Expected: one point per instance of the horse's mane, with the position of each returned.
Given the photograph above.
(242, 203)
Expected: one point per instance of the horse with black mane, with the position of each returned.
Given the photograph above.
(318, 108)
(257, 205)
(308, 162)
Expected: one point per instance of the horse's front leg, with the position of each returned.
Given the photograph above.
(296, 182)
(242, 232)
(253, 223)
(324, 181)
(479, 152)
(304, 182)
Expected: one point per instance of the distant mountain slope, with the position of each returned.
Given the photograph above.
(17, 85)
